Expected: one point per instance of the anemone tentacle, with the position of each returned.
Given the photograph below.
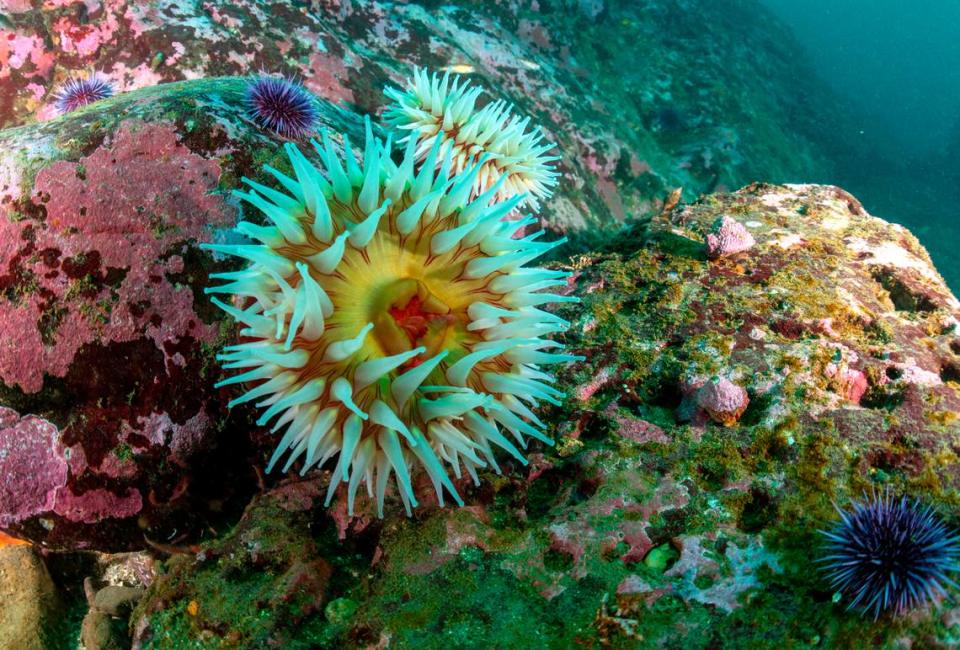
(388, 318)
(496, 144)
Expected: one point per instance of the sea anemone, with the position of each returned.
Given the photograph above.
(890, 554)
(282, 106)
(77, 92)
(390, 318)
(432, 108)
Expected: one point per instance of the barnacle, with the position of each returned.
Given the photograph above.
(388, 318)
(435, 108)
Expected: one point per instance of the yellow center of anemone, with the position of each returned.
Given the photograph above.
(412, 297)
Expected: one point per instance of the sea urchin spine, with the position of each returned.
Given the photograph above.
(77, 92)
(389, 318)
(282, 106)
(433, 107)
(890, 554)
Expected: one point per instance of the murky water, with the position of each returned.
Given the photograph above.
(896, 68)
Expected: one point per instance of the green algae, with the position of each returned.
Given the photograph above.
(661, 557)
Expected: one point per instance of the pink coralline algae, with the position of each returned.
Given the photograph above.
(32, 466)
(723, 401)
(849, 382)
(587, 390)
(729, 237)
(97, 267)
(634, 429)
(85, 40)
(98, 277)
(183, 440)
(95, 505)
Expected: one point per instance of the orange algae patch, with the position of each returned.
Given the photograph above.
(7, 540)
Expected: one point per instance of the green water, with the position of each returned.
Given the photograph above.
(895, 67)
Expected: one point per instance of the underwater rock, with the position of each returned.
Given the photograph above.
(105, 626)
(262, 585)
(32, 611)
(639, 526)
(685, 108)
(107, 404)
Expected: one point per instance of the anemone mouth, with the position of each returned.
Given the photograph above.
(406, 315)
(389, 321)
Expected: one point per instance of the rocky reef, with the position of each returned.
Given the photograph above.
(750, 358)
(703, 97)
(723, 406)
(106, 398)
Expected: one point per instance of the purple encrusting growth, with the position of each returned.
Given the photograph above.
(890, 555)
(281, 105)
(80, 92)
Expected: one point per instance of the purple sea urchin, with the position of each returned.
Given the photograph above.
(389, 318)
(282, 106)
(890, 554)
(77, 92)
(433, 107)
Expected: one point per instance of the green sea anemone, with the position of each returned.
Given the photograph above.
(389, 320)
(435, 108)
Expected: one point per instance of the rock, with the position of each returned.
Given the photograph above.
(728, 237)
(135, 570)
(117, 601)
(262, 585)
(105, 586)
(642, 525)
(717, 399)
(723, 401)
(107, 402)
(685, 108)
(31, 616)
(100, 631)
(851, 384)
(105, 626)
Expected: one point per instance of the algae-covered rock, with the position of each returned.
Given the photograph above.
(705, 95)
(264, 585)
(107, 405)
(653, 522)
(30, 618)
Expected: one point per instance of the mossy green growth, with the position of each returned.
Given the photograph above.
(263, 584)
(661, 557)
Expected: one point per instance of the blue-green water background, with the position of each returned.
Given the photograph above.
(895, 67)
